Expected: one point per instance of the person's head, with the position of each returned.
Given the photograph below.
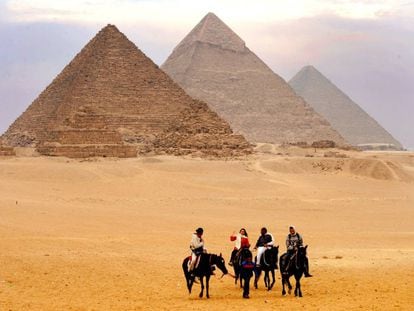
(199, 232)
(243, 232)
(292, 230)
(263, 231)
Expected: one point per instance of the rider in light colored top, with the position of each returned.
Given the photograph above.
(293, 242)
(265, 241)
(196, 246)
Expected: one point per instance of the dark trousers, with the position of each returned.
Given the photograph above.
(233, 254)
(246, 286)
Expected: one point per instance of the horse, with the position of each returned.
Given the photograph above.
(268, 263)
(204, 269)
(243, 254)
(294, 266)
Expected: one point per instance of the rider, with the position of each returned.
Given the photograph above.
(242, 241)
(293, 242)
(265, 241)
(196, 246)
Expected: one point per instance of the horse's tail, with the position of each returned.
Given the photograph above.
(187, 275)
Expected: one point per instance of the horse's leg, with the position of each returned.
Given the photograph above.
(257, 274)
(288, 284)
(202, 286)
(190, 282)
(298, 291)
(207, 286)
(283, 286)
(241, 279)
(273, 279)
(267, 279)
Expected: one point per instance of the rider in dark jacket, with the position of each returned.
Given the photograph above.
(265, 241)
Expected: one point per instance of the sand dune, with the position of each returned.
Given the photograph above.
(111, 234)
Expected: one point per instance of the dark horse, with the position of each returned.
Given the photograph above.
(204, 269)
(294, 266)
(243, 254)
(268, 263)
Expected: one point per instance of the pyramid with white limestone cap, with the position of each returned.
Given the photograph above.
(213, 64)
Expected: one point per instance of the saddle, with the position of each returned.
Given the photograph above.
(197, 262)
(268, 257)
(288, 260)
(242, 254)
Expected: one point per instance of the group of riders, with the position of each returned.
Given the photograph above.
(265, 241)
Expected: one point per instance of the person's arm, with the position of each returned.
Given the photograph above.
(196, 243)
(257, 243)
(300, 240)
(287, 242)
(271, 242)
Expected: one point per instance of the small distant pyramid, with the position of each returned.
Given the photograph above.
(349, 119)
(112, 100)
(213, 64)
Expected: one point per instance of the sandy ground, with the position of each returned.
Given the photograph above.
(111, 234)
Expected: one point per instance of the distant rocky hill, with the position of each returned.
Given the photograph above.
(213, 64)
(349, 119)
(112, 100)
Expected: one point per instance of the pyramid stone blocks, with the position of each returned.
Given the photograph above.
(112, 100)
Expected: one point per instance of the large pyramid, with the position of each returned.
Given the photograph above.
(112, 100)
(213, 64)
(353, 123)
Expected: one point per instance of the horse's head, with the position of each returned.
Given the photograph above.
(245, 253)
(302, 255)
(220, 263)
(302, 250)
(276, 250)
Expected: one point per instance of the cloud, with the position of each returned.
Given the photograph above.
(178, 11)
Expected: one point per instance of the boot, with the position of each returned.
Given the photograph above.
(306, 272)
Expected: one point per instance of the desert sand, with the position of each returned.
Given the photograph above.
(109, 234)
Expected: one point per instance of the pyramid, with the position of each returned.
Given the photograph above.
(349, 119)
(112, 100)
(213, 64)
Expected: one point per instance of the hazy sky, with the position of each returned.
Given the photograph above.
(365, 47)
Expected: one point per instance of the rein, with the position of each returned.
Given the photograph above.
(209, 262)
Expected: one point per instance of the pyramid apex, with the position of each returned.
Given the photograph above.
(310, 68)
(211, 14)
(213, 31)
(109, 27)
(306, 71)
